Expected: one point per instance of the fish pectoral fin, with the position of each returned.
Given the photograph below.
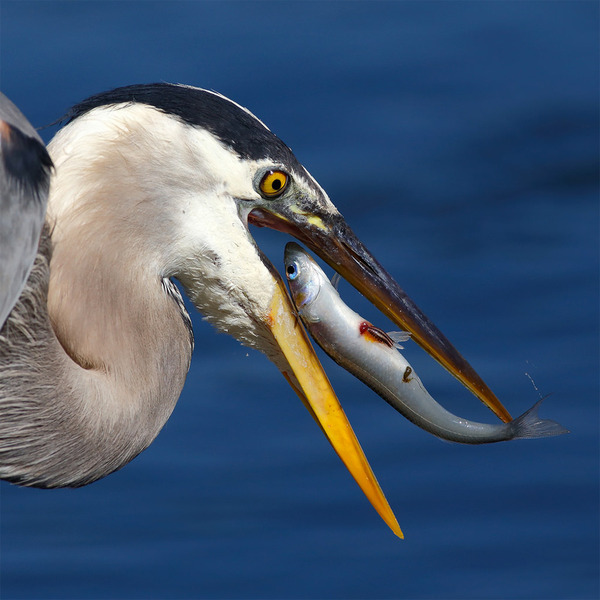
(335, 280)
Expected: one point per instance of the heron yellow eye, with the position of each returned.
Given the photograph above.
(273, 183)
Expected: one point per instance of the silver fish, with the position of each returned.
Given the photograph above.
(372, 356)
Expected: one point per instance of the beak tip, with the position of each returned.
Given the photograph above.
(390, 520)
(398, 533)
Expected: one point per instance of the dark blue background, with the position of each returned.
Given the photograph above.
(460, 139)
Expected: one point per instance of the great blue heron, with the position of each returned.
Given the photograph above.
(149, 183)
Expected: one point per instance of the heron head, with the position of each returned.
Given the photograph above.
(204, 169)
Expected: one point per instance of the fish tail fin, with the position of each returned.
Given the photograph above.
(530, 425)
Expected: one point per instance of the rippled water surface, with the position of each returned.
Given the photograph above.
(460, 140)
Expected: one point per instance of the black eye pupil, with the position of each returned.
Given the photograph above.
(291, 270)
(276, 184)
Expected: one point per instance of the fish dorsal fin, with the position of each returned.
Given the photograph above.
(399, 336)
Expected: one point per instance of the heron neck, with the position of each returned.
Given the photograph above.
(108, 297)
(124, 341)
(119, 322)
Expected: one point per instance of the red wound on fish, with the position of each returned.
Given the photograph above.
(374, 334)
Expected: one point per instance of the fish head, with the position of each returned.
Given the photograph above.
(304, 276)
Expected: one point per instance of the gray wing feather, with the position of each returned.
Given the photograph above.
(25, 168)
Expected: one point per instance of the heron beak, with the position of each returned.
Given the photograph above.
(327, 234)
(305, 374)
(324, 230)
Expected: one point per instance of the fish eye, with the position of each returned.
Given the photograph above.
(273, 183)
(292, 271)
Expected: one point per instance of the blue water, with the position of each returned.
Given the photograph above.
(460, 140)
